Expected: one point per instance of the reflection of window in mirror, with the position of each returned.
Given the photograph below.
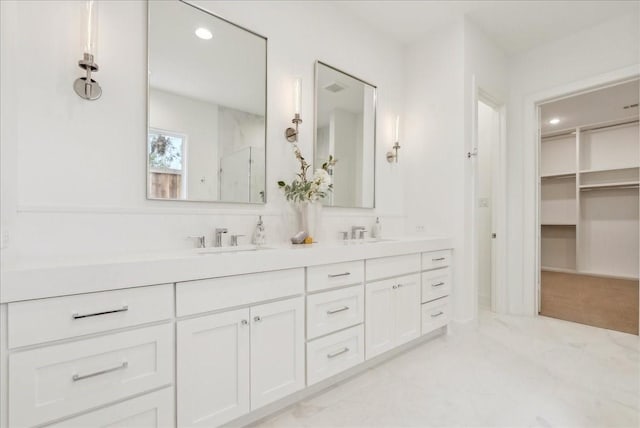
(167, 170)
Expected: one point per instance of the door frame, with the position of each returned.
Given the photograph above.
(498, 203)
(531, 152)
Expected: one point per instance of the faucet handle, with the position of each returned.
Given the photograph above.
(362, 232)
(345, 235)
(202, 243)
(234, 240)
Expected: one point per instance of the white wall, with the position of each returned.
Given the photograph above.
(60, 196)
(582, 57)
(440, 110)
(433, 144)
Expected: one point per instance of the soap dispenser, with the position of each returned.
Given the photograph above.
(376, 230)
(259, 236)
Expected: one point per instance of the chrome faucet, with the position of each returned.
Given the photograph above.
(219, 233)
(201, 241)
(354, 232)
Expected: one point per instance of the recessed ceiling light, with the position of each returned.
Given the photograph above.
(554, 121)
(203, 33)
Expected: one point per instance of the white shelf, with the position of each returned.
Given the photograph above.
(589, 171)
(611, 185)
(555, 269)
(559, 224)
(559, 175)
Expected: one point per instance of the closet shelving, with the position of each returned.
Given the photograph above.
(589, 178)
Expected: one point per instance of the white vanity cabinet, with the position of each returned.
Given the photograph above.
(436, 289)
(89, 351)
(393, 313)
(335, 315)
(392, 304)
(236, 361)
(212, 349)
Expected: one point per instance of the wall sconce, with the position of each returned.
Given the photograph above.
(292, 133)
(392, 155)
(86, 87)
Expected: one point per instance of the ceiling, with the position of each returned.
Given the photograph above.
(601, 106)
(515, 26)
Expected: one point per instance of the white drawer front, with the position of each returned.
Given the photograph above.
(436, 284)
(436, 259)
(334, 354)
(435, 314)
(335, 275)
(334, 310)
(387, 267)
(153, 410)
(38, 321)
(218, 293)
(56, 381)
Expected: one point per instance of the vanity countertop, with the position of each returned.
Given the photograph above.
(74, 276)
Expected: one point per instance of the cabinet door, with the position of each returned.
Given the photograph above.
(277, 350)
(407, 310)
(213, 368)
(379, 318)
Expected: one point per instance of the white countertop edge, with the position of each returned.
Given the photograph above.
(143, 270)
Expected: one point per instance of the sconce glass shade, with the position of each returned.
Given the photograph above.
(297, 96)
(89, 21)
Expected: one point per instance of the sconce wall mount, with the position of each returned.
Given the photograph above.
(292, 133)
(392, 155)
(86, 87)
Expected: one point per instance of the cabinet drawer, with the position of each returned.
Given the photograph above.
(435, 314)
(334, 354)
(154, 410)
(60, 380)
(219, 293)
(436, 259)
(436, 284)
(334, 310)
(335, 275)
(386, 267)
(38, 321)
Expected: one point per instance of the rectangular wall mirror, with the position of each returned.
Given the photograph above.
(346, 129)
(206, 138)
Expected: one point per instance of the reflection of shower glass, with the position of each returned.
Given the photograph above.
(242, 176)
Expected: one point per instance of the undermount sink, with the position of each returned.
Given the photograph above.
(227, 250)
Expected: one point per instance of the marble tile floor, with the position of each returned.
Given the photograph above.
(504, 371)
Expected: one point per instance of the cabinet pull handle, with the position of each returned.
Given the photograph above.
(439, 259)
(76, 315)
(394, 287)
(76, 377)
(335, 311)
(257, 318)
(340, 352)
(336, 275)
(437, 314)
(244, 322)
(437, 284)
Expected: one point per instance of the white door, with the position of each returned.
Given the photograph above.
(213, 368)
(379, 317)
(277, 350)
(407, 308)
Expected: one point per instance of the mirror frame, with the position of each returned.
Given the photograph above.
(266, 112)
(375, 127)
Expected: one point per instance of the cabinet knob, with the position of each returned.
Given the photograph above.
(244, 322)
(257, 319)
(394, 287)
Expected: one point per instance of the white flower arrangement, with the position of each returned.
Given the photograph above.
(303, 189)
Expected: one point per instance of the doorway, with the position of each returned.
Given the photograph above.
(486, 190)
(588, 226)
